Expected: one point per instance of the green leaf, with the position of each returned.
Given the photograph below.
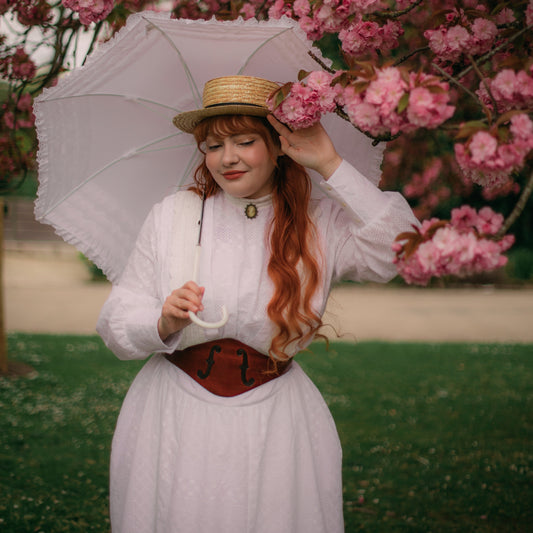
(471, 127)
(403, 103)
(302, 74)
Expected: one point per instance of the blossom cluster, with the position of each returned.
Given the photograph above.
(306, 103)
(19, 116)
(461, 36)
(29, 12)
(363, 36)
(223, 9)
(463, 246)
(396, 100)
(426, 188)
(357, 34)
(510, 90)
(90, 10)
(387, 100)
(490, 156)
(16, 122)
(17, 66)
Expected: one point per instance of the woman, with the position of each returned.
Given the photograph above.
(221, 431)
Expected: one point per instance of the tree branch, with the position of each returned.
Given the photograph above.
(487, 88)
(396, 14)
(518, 208)
(410, 54)
(320, 62)
(97, 29)
(449, 77)
(488, 55)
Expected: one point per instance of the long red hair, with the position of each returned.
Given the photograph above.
(293, 265)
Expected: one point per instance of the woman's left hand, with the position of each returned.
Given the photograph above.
(310, 147)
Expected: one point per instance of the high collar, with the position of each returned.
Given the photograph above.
(243, 203)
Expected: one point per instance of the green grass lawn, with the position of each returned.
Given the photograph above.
(436, 437)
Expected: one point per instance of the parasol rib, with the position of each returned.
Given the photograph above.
(193, 161)
(260, 47)
(190, 78)
(127, 155)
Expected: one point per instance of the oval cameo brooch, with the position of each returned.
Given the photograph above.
(250, 211)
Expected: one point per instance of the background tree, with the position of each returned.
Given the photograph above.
(447, 84)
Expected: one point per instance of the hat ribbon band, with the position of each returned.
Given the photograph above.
(233, 103)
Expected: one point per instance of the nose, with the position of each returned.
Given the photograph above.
(229, 154)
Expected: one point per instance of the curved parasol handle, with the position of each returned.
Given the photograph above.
(192, 316)
(210, 325)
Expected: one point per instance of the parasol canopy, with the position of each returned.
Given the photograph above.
(108, 150)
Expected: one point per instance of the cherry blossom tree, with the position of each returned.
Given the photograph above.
(447, 84)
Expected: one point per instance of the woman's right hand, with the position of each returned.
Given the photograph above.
(175, 312)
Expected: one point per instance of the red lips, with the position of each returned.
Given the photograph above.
(233, 174)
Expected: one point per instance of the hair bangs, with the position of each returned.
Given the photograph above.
(222, 126)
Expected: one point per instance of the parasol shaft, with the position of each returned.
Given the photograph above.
(196, 268)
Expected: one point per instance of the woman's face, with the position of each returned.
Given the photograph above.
(240, 164)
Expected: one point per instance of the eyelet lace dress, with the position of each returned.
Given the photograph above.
(269, 460)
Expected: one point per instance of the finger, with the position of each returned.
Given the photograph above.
(193, 286)
(286, 148)
(185, 299)
(281, 128)
(179, 309)
(192, 292)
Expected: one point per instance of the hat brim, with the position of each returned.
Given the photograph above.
(190, 119)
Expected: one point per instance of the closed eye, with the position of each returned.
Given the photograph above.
(213, 147)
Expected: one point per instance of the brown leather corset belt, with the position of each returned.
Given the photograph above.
(227, 367)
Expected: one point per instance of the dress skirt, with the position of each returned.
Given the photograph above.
(184, 460)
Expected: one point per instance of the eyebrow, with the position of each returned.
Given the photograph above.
(220, 137)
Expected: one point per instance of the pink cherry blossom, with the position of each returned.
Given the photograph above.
(304, 105)
(450, 42)
(505, 16)
(33, 12)
(386, 90)
(310, 26)
(529, 13)
(366, 118)
(503, 85)
(463, 246)
(426, 110)
(510, 89)
(247, 11)
(90, 10)
(489, 161)
(482, 147)
(522, 128)
(457, 39)
(363, 36)
(484, 33)
(18, 65)
(428, 100)
(301, 7)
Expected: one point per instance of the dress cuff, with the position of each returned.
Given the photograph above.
(354, 192)
(146, 336)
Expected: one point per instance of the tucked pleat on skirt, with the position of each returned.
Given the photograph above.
(186, 461)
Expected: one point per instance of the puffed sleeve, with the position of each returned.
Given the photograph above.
(128, 320)
(360, 226)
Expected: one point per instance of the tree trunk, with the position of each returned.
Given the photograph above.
(3, 339)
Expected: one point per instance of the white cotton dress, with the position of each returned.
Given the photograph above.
(184, 460)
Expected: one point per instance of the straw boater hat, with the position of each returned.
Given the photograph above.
(229, 95)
